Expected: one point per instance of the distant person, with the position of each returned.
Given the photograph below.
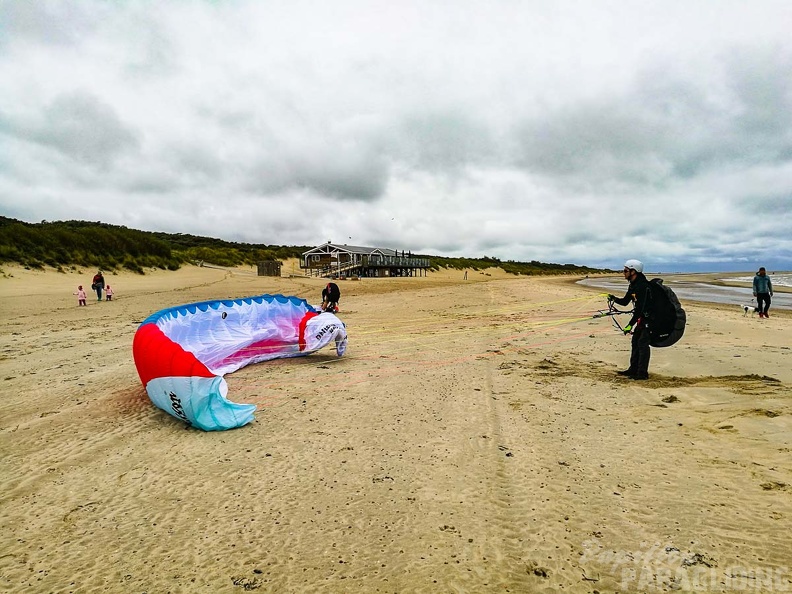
(108, 293)
(81, 296)
(97, 284)
(639, 294)
(762, 290)
(331, 295)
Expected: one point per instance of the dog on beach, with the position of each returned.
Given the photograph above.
(749, 308)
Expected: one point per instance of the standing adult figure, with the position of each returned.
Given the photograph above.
(640, 295)
(98, 284)
(762, 290)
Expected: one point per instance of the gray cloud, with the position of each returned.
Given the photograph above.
(441, 141)
(55, 23)
(79, 127)
(771, 206)
(665, 128)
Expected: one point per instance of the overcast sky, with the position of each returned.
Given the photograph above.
(583, 132)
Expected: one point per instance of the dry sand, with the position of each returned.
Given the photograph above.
(474, 439)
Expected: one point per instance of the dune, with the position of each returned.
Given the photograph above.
(475, 438)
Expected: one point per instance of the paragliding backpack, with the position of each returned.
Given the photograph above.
(666, 321)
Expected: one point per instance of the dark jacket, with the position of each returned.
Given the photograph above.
(331, 293)
(640, 294)
(762, 284)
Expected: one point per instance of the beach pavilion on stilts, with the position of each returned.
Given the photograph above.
(333, 260)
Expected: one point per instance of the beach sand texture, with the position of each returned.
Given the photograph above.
(475, 438)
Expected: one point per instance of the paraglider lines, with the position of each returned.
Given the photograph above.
(431, 335)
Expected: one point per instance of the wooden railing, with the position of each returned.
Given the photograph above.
(397, 261)
(368, 262)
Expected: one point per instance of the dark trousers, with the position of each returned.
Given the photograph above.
(763, 297)
(641, 352)
(99, 292)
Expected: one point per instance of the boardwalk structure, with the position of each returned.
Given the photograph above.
(333, 260)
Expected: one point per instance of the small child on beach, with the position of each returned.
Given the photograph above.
(108, 293)
(81, 296)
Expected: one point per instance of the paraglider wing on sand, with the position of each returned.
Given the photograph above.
(182, 353)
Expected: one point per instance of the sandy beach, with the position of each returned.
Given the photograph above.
(474, 438)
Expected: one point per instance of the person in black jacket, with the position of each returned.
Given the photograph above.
(331, 294)
(639, 294)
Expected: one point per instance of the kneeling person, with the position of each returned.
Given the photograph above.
(331, 295)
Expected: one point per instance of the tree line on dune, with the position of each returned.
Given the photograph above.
(66, 245)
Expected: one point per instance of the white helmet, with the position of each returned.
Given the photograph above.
(636, 265)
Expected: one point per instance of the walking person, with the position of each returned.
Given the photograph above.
(98, 284)
(639, 294)
(81, 296)
(108, 293)
(763, 291)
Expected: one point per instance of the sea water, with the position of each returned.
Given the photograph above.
(703, 291)
(779, 280)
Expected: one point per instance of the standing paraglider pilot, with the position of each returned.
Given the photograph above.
(639, 293)
(330, 297)
(98, 285)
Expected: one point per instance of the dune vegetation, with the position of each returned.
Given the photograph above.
(65, 245)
